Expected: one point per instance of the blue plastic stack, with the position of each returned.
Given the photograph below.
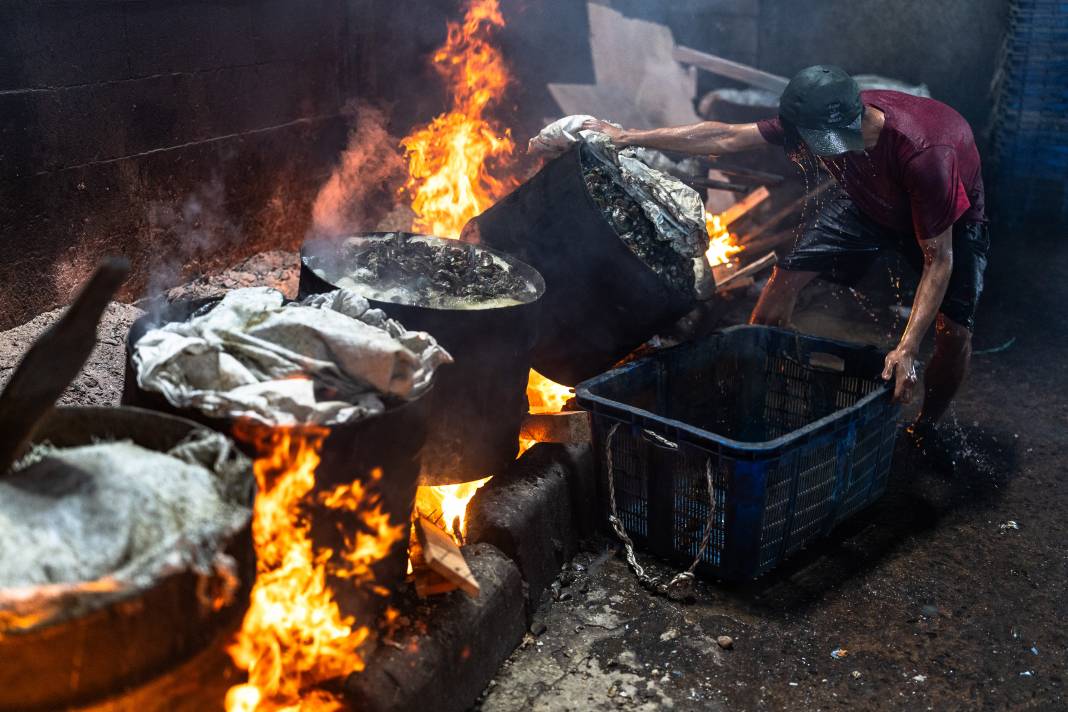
(1031, 113)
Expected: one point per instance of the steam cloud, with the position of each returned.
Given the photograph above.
(199, 226)
(363, 189)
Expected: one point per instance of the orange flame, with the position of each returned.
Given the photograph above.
(544, 396)
(448, 159)
(447, 505)
(449, 163)
(721, 243)
(294, 636)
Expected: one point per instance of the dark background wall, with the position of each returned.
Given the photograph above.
(950, 45)
(176, 133)
(187, 134)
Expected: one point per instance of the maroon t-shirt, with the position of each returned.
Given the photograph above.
(921, 176)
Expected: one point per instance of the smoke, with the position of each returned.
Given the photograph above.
(186, 233)
(363, 190)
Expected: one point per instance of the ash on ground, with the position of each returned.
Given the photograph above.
(100, 380)
(636, 231)
(414, 270)
(278, 269)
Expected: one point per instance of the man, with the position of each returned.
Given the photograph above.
(910, 181)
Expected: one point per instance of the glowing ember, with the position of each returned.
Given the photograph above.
(448, 159)
(721, 243)
(294, 636)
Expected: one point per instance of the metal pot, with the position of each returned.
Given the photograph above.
(390, 442)
(130, 636)
(478, 403)
(601, 301)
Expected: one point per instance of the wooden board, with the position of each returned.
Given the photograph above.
(441, 555)
(732, 70)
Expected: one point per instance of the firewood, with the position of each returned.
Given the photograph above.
(749, 270)
(428, 583)
(563, 427)
(443, 557)
(743, 206)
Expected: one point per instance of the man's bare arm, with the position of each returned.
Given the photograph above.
(702, 139)
(937, 266)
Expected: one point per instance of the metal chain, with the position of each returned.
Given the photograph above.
(681, 584)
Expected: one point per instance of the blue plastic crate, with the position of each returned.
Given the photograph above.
(796, 433)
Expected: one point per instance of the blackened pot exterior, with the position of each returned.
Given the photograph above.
(478, 402)
(390, 442)
(601, 302)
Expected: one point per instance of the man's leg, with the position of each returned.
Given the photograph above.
(945, 373)
(779, 297)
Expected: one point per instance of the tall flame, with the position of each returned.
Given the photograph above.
(450, 182)
(721, 243)
(449, 158)
(294, 636)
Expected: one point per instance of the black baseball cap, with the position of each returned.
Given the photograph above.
(823, 104)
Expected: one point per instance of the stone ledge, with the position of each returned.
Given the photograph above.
(453, 646)
(537, 511)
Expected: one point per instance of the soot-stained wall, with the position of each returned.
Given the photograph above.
(178, 134)
(187, 134)
(951, 45)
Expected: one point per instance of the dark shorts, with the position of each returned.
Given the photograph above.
(842, 243)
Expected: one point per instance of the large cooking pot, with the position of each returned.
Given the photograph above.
(118, 639)
(389, 442)
(478, 403)
(601, 302)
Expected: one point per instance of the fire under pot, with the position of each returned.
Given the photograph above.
(478, 403)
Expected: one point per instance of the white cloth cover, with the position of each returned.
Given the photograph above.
(328, 360)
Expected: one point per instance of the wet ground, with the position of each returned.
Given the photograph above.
(950, 593)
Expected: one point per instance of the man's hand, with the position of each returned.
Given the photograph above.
(901, 366)
(613, 132)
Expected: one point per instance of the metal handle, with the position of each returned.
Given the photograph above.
(658, 440)
(826, 361)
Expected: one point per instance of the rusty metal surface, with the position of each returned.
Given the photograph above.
(131, 636)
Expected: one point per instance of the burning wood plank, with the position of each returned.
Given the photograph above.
(737, 278)
(743, 206)
(564, 427)
(443, 558)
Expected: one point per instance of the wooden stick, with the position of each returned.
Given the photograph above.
(698, 182)
(762, 177)
(443, 557)
(743, 206)
(785, 212)
(750, 269)
(772, 241)
(732, 70)
(54, 360)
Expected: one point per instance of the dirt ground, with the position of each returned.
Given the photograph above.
(937, 599)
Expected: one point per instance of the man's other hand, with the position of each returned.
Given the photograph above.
(901, 366)
(612, 131)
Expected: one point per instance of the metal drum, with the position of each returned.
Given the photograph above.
(478, 403)
(122, 639)
(601, 302)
